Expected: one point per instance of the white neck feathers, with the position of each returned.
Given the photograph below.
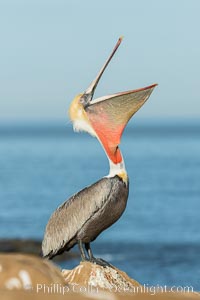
(118, 169)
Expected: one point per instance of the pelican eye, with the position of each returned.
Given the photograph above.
(82, 99)
(85, 99)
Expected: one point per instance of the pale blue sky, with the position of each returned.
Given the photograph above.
(52, 49)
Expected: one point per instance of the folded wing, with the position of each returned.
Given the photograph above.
(68, 219)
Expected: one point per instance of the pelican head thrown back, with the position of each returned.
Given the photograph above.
(81, 218)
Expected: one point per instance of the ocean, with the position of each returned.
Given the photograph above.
(157, 239)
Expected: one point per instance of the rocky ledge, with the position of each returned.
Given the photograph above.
(29, 277)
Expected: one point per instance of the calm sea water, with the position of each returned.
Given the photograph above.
(157, 240)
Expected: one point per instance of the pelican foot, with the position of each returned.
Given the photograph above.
(85, 259)
(101, 262)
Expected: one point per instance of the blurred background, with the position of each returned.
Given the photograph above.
(50, 51)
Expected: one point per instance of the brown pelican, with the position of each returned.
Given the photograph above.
(81, 218)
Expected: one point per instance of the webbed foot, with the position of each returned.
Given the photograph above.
(100, 262)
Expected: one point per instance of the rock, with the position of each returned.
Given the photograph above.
(20, 245)
(20, 294)
(21, 271)
(31, 278)
(31, 246)
(96, 282)
(95, 277)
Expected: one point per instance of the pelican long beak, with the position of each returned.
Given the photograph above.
(106, 117)
(89, 92)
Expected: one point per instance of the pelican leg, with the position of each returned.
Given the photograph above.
(95, 260)
(89, 252)
(82, 251)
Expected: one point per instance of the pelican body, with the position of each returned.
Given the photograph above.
(81, 218)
